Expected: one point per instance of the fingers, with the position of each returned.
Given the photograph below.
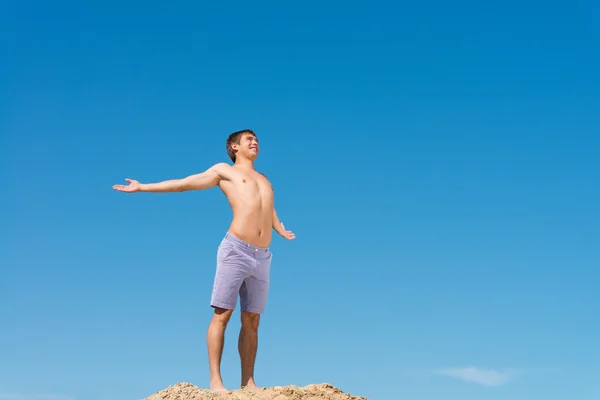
(123, 188)
(287, 234)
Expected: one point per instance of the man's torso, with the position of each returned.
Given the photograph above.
(250, 196)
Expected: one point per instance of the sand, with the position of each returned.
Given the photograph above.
(187, 391)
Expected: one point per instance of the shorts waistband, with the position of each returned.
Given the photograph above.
(245, 244)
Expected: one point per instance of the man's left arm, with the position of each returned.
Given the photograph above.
(280, 228)
(278, 225)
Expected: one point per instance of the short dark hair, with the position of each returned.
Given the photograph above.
(235, 137)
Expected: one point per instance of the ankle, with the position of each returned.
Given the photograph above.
(248, 381)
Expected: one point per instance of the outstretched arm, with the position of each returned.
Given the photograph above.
(204, 180)
(279, 228)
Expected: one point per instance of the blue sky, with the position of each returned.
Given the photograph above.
(438, 163)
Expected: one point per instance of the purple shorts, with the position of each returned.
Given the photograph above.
(241, 269)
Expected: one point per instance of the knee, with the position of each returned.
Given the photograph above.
(221, 316)
(250, 321)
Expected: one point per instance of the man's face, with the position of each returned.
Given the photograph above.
(248, 146)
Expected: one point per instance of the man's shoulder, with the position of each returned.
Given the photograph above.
(221, 165)
(265, 175)
(223, 169)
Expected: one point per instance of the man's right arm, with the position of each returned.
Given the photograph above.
(207, 179)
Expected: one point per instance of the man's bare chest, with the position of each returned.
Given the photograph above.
(245, 185)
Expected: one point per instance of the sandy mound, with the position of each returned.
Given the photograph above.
(187, 391)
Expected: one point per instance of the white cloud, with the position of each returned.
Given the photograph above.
(485, 377)
(33, 396)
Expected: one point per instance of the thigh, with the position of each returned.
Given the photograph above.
(232, 269)
(254, 291)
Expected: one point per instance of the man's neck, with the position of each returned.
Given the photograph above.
(244, 163)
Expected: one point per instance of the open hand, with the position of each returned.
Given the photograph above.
(289, 235)
(134, 186)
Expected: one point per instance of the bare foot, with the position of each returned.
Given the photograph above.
(218, 387)
(251, 385)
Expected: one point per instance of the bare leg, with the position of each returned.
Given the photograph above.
(247, 346)
(215, 339)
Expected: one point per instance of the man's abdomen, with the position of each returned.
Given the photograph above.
(255, 228)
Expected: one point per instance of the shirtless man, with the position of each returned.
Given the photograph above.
(243, 257)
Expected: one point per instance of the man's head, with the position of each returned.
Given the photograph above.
(243, 143)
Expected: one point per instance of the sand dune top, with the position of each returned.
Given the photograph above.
(187, 391)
